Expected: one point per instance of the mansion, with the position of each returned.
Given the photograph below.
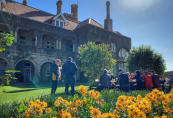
(41, 37)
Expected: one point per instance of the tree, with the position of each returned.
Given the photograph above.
(93, 59)
(145, 59)
(6, 40)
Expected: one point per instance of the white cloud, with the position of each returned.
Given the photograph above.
(136, 5)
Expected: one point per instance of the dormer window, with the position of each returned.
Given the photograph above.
(59, 23)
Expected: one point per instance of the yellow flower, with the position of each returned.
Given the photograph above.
(57, 103)
(39, 110)
(82, 90)
(97, 95)
(48, 110)
(91, 108)
(77, 103)
(91, 93)
(31, 104)
(115, 112)
(108, 115)
(37, 101)
(95, 113)
(60, 98)
(44, 104)
(66, 115)
(164, 116)
(85, 101)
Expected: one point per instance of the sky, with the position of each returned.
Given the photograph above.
(146, 22)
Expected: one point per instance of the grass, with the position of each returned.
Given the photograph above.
(25, 92)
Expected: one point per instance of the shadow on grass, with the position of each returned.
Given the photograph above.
(42, 85)
(17, 91)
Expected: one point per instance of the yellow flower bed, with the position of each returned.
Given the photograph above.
(89, 104)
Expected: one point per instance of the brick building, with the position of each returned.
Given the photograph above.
(41, 37)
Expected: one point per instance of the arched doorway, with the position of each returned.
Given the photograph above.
(3, 66)
(26, 69)
(45, 72)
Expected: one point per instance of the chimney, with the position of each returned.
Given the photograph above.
(59, 6)
(108, 20)
(74, 11)
(25, 2)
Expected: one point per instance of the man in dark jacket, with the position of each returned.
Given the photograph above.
(123, 81)
(69, 70)
(55, 74)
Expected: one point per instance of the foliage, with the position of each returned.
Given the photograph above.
(145, 59)
(93, 104)
(8, 77)
(167, 74)
(6, 40)
(93, 59)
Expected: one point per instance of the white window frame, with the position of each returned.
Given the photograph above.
(58, 44)
(122, 53)
(113, 47)
(59, 23)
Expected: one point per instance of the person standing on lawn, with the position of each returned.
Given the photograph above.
(69, 70)
(55, 75)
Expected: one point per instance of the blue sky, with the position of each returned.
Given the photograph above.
(147, 22)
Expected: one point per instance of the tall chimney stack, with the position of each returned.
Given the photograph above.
(74, 11)
(108, 20)
(25, 2)
(59, 6)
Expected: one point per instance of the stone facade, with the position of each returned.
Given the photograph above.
(37, 44)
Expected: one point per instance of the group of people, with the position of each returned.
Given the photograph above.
(126, 81)
(67, 72)
(134, 81)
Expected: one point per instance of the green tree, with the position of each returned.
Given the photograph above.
(6, 40)
(93, 59)
(145, 59)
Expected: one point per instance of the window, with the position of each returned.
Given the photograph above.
(22, 40)
(50, 44)
(58, 44)
(33, 41)
(122, 53)
(59, 24)
(113, 47)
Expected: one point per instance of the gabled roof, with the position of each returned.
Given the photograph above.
(59, 15)
(27, 11)
(90, 21)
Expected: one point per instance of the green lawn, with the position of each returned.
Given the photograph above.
(24, 92)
